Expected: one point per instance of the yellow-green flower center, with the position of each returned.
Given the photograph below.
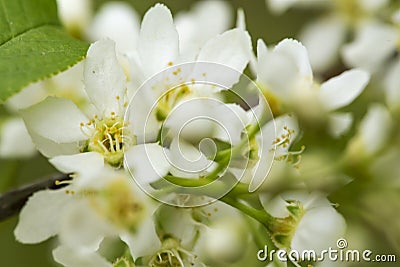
(109, 137)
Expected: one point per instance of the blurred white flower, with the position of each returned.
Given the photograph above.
(325, 36)
(284, 74)
(375, 42)
(75, 14)
(15, 141)
(98, 202)
(306, 221)
(372, 135)
(271, 144)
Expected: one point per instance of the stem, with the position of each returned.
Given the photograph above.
(262, 216)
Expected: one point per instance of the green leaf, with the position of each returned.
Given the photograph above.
(33, 44)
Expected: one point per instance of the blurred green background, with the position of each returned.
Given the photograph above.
(261, 24)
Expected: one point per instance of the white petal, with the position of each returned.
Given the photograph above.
(285, 68)
(75, 14)
(14, 139)
(392, 85)
(80, 163)
(296, 51)
(374, 43)
(104, 78)
(56, 119)
(117, 21)
(145, 242)
(74, 258)
(147, 162)
(141, 115)
(83, 228)
(267, 150)
(186, 159)
(375, 128)
(41, 216)
(323, 39)
(29, 96)
(51, 149)
(205, 20)
(275, 205)
(233, 119)
(339, 123)
(280, 6)
(193, 119)
(240, 19)
(341, 90)
(232, 49)
(158, 40)
(325, 223)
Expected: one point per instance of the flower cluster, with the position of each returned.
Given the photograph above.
(175, 157)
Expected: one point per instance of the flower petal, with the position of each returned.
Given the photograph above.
(284, 69)
(341, 90)
(145, 242)
(74, 258)
(41, 216)
(51, 149)
(324, 222)
(83, 228)
(104, 78)
(373, 44)
(339, 123)
(56, 119)
(117, 21)
(232, 49)
(158, 40)
(15, 141)
(80, 163)
(392, 85)
(187, 160)
(323, 39)
(147, 162)
(205, 20)
(268, 150)
(298, 53)
(375, 128)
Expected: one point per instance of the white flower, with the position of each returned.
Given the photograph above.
(58, 127)
(271, 144)
(99, 202)
(309, 220)
(158, 49)
(284, 73)
(374, 43)
(373, 133)
(15, 141)
(75, 14)
(325, 36)
(117, 21)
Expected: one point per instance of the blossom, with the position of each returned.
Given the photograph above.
(98, 202)
(158, 48)
(284, 74)
(59, 127)
(325, 36)
(372, 135)
(306, 221)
